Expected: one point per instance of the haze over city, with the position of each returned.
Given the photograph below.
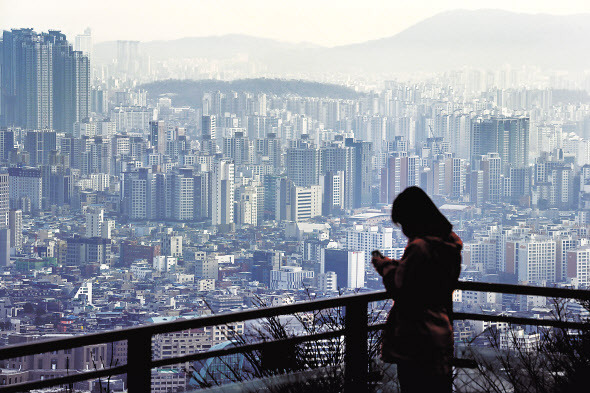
(327, 23)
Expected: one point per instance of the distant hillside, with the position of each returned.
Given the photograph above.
(450, 40)
(189, 92)
(481, 38)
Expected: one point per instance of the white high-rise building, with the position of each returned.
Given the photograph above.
(289, 277)
(460, 134)
(94, 220)
(163, 263)
(138, 194)
(171, 243)
(248, 206)
(564, 245)
(4, 199)
(535, 259)
(222, 197)
(96, 225)
(400, 171)
(83, 42)
(349, 266)
(481, 255)
(15, 223)
(332, 184)
(100, 181)
(183, 193)
(491, 166)
(327, 282)
(85, 292)
(519, 339)
(455, 177)
(306, 203)
(132, 119)
(578, 267)
(370, 238)
(209, 126)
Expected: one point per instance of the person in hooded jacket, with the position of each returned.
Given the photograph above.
(418, 336)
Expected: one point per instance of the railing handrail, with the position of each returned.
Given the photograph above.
(144, 333)
(192, 323)
(514, 289)
(265, 312)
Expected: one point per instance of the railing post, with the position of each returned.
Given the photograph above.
(139, 360)
(356, 357)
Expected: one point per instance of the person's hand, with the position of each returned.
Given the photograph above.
(379, 261)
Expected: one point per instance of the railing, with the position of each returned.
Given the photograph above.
(355, 332)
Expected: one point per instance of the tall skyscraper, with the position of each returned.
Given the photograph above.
(270, 147)
(237, 148)
(171, 243)
(94, 222)
(460, 134)
(362, 172)
(83, 42)
(158, 136)
(180, 195)
(45, 83)
(247, 205)
(577, 267)
(6, 143)
(4, 246)
(476, 187)
(39, 145)
(536, 258)
(138, 194)
(303, 166)
(306, 203)
(222, 195)
(26, 191)
(263, 262)
(454, 177)
(209, 126)
(4, 199)
(16, 229)
(509, 137)
(338, 158)
(491, 166)
(202, 195)
(401, 171)
(349, 267)
(332, 184)
(128, 57)
(96, 225)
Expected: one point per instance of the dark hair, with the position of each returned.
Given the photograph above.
(418, 215)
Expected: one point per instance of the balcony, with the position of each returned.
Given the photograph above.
(355, 332)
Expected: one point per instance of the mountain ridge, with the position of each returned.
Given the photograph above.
(190, 92)
(448, 40)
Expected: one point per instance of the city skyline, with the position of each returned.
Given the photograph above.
(160, 183)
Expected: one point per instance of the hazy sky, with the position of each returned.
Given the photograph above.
(329, 22)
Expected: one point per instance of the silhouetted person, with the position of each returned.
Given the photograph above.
(419, 335)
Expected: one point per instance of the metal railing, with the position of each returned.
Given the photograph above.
(355, 332)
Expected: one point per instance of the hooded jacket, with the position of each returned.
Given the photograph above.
(418, 328)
